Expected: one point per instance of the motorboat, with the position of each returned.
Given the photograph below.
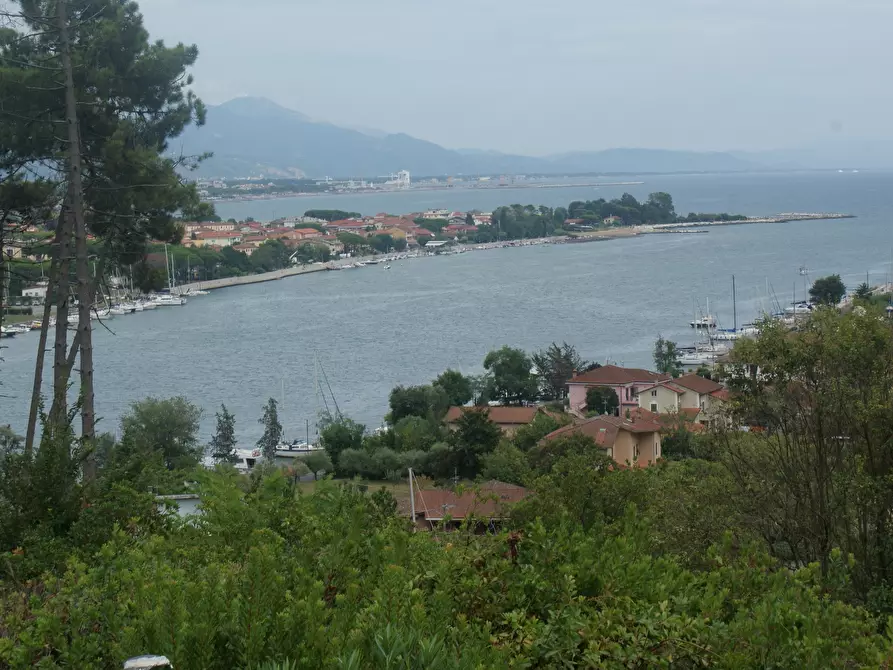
(146, 304)
(296, 449)
(799, 308)
(387, 267)
(117, 310)
(166, 299)
(247, 459)
(697, 358)
(5, 331)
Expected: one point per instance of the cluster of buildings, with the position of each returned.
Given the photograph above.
(411, 228)
(649, 404)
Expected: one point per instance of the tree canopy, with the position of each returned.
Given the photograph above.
(828, 290)
(509, 375)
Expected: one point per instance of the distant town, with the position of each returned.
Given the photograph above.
(267, 187)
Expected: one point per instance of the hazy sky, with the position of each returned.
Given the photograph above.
(542, 76)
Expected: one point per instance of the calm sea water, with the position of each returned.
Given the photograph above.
(372, 329)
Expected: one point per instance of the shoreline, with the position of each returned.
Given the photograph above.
(593, 236)
(496, 187)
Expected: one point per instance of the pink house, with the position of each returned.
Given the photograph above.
(626, 383)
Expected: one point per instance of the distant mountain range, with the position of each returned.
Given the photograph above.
(253, 136)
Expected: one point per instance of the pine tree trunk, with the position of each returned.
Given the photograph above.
(59, 409)
(81, 262)
(42, 342)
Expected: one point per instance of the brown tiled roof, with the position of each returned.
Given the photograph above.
(604, 429)
(612, 375)
(498, 415)
(697, 384)
(490, 502)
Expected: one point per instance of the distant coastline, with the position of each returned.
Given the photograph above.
(593, 236)
(422, 189)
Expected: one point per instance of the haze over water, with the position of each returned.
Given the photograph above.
(373, 329)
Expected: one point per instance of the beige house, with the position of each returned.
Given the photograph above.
(209, 226)
(215, 239)
(629, 441)
(509, 419)
(690, 395)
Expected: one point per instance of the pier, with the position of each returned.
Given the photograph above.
(777, 218)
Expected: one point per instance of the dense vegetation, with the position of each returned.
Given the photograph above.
(529, 221)
(743, 550)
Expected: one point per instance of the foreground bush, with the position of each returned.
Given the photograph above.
(333, 580)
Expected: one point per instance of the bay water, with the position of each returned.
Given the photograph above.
(371, 329)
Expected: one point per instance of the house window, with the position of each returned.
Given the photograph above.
(654, 394)
(636, 454)
(654, 407)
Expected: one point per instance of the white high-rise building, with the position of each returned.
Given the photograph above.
(403, 180)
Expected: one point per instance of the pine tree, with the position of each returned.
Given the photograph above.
(223, 444)
(272, 431)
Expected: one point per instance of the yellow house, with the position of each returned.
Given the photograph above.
(633, 441)
(690, 395)
(395, 233)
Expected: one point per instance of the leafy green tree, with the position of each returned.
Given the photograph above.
(474, 436)
(357, 463)
(548, 452)
(602, 400)
(236, 259)
(270, 255)
(414, 433)
(457, 387)
(93, 71)
(506, 463)
(828, 290)
(666, 357)
(272, 435)
(353, 244)
(318, 461)
(510, 375)
(527, 437)
(382, 243)
(824, 401)
(337, 435)
(430, 401)
(555, 366)
(223, 442)
(863, 291)
(331, 214)
(166, 427)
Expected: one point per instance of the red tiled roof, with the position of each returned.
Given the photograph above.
(721, 394)
(498, 415)
(604, 429)
(213, 235)
(490, 502)
(611, 375)
(698, 384)
(308, 231)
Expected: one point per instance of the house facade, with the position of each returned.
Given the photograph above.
(692, 396)
(633, 441)
(625, 382)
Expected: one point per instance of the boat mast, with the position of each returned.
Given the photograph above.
(167, 266)
(734, 305)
